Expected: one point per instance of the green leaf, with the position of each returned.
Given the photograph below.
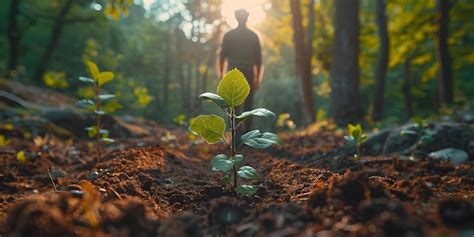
(408, 132)
(363, 137)
(247, 172)
(111, 106)
(357, 131)
(93, 70)
(271, 136)
(350, 139)
(260, 143)
(258, 140)
(222, 163)
(21, 157)
(107, 140)
(91, 131)
(209, 127)
(214, 98)
(226, 179)
(86, 80)
(99, 112)
(106, 97)
(260, 112)
(105, 77)
(234, 88)
(104, 131)
(85, 103)
(246, 190)
(250, 135)
(238, 159)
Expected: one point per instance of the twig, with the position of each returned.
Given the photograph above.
(115, 193)
(52, 182)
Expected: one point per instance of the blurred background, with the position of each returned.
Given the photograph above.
(378, 61)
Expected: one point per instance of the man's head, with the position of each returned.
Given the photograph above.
(241, 16)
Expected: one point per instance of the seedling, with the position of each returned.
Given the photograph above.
(100, 104)
(232, 91)
(356, 136)
(21, 157)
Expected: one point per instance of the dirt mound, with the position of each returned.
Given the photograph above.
(167, 189)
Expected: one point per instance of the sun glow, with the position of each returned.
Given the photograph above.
(256, 8)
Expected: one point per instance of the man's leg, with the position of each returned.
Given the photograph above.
(248, 72)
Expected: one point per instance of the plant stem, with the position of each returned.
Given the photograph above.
(98, 124)
(358, 149)
(233, 150)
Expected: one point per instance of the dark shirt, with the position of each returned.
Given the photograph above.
(241, 47)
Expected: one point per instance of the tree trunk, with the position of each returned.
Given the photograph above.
(13, 36)
(445, 86)
(167, 74)
(303, 65)
(310, 35)
(406, 89)
(382, 60)
(53, 41)
(345, 98)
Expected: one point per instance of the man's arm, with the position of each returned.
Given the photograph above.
(258, 64)
(222, 56)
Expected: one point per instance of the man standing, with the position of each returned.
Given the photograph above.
(241, 49)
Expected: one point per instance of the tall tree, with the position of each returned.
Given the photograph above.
(13, 36)
(345, 98)
(382, 60)
(445, 85)
(303, 60)
(59, 22)
(406, 88)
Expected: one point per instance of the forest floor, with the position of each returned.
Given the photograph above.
(162, 185)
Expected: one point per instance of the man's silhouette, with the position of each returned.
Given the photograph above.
(241, 49)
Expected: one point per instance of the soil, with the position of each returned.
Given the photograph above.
(162, 185)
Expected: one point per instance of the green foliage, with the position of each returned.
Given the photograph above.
(117, 8)
(356, 136)
(209, 127)
(99, 106)
(55, 80)
(21, 158)
(232, 91)
(233, 88)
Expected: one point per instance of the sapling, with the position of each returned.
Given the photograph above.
(356, 136)
(232, 91)
(99, 105)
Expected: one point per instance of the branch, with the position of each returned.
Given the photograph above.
(78, 20)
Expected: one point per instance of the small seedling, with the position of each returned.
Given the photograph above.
(21, 157)
(232, 91)
(4, 141)
(356, 136)
(100, 104)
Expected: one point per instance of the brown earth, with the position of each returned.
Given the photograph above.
(162, 185)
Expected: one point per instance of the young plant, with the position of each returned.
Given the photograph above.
(232, 91)
(100, 104)
(356, 136)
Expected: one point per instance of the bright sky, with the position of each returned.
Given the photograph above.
(254, 7)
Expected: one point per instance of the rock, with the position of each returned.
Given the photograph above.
(92, 175)
(375, 142)
(77, 193)
(457, 156)
(401, 139)
(420, 141)
(57, 173)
